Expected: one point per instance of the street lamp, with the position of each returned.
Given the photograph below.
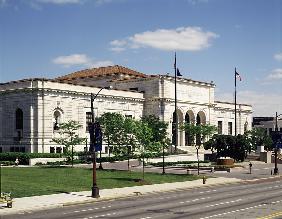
(276, 149)
(0, 179)
(95, 189)
(197, 148)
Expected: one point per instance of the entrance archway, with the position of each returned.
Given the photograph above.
(189, 119)
(180, 122)
(200, 120)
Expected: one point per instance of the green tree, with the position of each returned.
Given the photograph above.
(207, 130)
(258, 137)
(159, 132)
(69, 137)
(203, 131)
(128, 138)
(111, 124)
(144, 137)
(228, 146)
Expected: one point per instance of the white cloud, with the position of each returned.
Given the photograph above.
(276, 74)
(278, 57)
(103, 1)
(183, 38)
(118, 45)
(264, 104)
(75, 59)
(194, 2)
(80, 60)
(101, 64)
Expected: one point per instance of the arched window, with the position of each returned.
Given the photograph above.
(57, 117)
(19, 119)
(245, 126)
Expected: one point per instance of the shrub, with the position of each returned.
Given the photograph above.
(24, 157)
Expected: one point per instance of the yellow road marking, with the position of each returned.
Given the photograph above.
(273, 215)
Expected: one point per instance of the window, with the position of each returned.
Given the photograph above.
(1, 150)
(270, 131)
(229, 128)
(245, 127)
(56, 120)
(19, 119)
(52, 150)
(58, 150)
(88, 120)
(128, 116)
(219, 127)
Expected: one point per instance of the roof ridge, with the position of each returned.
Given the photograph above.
(103, 70)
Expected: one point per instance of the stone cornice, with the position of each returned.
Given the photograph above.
(169, 100)
(188, 80)
(39, 90)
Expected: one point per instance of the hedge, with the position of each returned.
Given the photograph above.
(24, 157)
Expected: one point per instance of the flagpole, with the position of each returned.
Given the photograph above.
(175, 105)
(235, 102)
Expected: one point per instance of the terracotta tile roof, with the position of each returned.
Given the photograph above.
(102, 71)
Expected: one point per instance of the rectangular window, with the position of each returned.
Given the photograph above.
(22, 149)
(12, 149)
(1, 150)
(128, 116)
(229, 128)
(88, 119)
(58, 150)
(270, 131)
(219, 127)
(52, 150)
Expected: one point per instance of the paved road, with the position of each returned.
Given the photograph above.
(259, 170)
(250, 199)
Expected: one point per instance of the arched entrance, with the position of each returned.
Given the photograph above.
(189, 119)
(200, 120)
(180, 122)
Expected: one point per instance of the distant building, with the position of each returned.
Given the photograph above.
(268, 123)
(32, 109)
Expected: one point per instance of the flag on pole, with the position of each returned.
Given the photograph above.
(238, 76)
(175, 60)
(178, 72)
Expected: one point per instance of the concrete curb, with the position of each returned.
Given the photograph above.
(112, 194)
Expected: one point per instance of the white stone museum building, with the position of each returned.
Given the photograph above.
(30, 108)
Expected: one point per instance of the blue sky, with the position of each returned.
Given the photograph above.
(49, 38)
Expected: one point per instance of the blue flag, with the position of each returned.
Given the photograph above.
(178, 72)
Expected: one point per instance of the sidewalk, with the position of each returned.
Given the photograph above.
(63, 199)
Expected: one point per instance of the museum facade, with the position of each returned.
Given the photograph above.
(30, 108)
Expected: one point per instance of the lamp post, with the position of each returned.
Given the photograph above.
(95, 189)
(276, 149)
(163, 160)
(197, 148)
(0, 179)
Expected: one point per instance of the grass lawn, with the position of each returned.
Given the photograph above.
(32, 181)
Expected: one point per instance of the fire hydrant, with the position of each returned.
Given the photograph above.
(204, 179)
